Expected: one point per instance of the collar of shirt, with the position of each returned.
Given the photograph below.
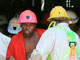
(65, 26)
(62, 24)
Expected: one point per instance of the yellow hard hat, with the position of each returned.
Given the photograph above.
(58, 12)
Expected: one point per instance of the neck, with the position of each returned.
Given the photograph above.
(29, 36)
(60, 22)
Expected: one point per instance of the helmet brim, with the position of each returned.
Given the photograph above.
(54, 18)
(28, 22)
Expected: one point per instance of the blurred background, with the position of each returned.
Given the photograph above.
(41, 7)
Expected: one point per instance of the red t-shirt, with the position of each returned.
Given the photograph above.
(16, 47)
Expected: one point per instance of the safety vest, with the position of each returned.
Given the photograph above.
(71, 50)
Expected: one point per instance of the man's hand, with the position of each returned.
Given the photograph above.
(11, 58)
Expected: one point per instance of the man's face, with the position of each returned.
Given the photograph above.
(28, 28)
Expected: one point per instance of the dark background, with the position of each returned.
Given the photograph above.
(11, 7)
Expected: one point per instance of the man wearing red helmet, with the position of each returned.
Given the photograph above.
(23, 43)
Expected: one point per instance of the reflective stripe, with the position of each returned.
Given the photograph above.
(49, 58)
(70, 50)
(53, 22)
(66, 54)
(71, 38)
